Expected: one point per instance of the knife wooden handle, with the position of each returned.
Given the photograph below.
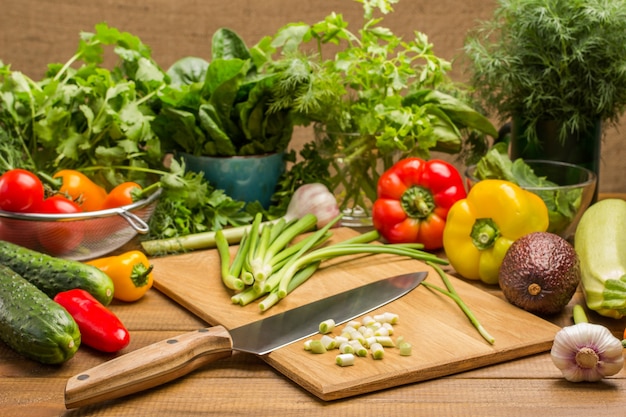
(148, 367)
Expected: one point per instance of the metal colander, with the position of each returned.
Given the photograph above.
(79, 236)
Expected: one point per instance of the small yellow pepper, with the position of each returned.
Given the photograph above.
(481, 228)
(131, 273)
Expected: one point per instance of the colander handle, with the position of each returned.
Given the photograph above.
(135, 221)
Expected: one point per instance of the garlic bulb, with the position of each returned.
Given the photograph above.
(587, 352)
(315, 199)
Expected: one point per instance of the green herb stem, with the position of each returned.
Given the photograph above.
(256, 253)
(309, 242)
(236, 267)
(299, 278)
(451, 292)
(246, 296)
(579, 315)
(263, 262)
(283, 256)
(231, 281)
(333, 251)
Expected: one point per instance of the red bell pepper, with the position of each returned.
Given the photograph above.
(99, 327)
(414, 197)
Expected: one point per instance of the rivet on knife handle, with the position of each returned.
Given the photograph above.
(148, 367)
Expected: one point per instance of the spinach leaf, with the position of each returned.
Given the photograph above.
(234, 110)
(187, 71)
(226, 44)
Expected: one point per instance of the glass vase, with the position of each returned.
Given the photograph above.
(355, 167)
(580, 147)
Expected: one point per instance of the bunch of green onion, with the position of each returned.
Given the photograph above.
(270, 262)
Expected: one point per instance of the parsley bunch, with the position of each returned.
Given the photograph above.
(83, 116)
(374, 96)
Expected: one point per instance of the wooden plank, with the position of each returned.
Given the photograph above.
(438, 330)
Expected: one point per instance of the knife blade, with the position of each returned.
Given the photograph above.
(169, 359)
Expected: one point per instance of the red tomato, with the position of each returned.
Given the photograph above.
(20, 191)
(58, 238)
(121, 195)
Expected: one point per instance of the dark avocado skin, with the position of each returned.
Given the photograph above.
(544, 259)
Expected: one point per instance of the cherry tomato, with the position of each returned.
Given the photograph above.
(80, 188)
(20, 191)
(121, 195)
(59, 238)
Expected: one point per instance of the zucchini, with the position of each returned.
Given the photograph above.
(32, 324)
(600, 243)
(54, 275)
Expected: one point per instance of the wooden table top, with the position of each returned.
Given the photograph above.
(245, 385)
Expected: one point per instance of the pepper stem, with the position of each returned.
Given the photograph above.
(484, 233)
(418, 202)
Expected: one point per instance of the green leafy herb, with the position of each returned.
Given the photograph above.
(391, 94)
(228, 106)
(86, 117)
(552, 60)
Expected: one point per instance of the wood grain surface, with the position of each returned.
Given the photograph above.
(444, 340)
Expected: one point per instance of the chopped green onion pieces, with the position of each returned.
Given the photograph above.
(359, 349)
(385, 341)
(317, 346)
(405, 349)
(369, 341)
(345, 359)
(382, 331)
(328, 342)
(378, 352)
(346, 347)
(390, 318)
(327, 326)
(359, 339)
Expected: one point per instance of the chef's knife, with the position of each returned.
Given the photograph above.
(169, 359)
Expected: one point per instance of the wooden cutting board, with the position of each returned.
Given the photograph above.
(444, 341)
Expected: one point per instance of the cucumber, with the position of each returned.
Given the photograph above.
(32, 324)
(54, 275)
(600, 243)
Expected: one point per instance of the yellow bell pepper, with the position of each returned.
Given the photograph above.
(481, 228)
(131, 273)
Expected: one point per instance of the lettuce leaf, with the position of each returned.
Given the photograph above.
(562, 204)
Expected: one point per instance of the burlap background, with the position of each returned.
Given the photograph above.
(37, 32)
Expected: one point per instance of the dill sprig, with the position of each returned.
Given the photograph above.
(552, 59)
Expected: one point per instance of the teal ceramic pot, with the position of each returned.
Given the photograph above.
(244, 178)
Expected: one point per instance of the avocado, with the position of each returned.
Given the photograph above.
(540, 273)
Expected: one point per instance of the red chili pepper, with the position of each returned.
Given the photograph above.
(414, 197)
(99, 327)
